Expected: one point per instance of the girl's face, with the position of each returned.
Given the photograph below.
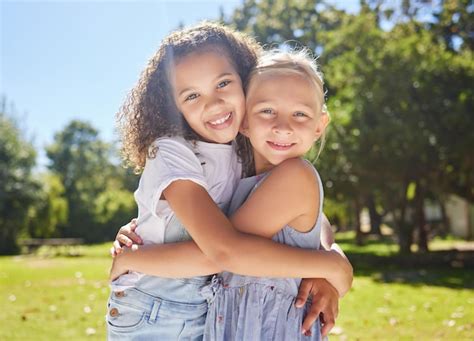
(208, 91)
(283, 119)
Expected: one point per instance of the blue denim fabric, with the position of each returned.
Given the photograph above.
(136, 315)
(160, 308)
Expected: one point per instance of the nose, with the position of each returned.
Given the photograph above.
(282, 127)
(214, 102)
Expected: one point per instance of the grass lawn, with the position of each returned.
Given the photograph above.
(49, 298)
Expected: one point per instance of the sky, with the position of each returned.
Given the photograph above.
(62, 60)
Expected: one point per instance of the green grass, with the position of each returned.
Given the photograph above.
(54, 298)
(48, 298)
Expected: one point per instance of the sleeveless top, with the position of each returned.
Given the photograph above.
(261, 308)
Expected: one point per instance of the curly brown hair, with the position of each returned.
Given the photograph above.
(150, 112)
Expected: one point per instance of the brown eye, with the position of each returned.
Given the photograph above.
(191, 97)
(223, 84)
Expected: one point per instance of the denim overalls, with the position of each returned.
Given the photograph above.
(160, 308)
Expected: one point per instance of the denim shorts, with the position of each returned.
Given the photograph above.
(135, 315)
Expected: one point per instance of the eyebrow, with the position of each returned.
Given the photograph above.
(220, 76)
(265, 101)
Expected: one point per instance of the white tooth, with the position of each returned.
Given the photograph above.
(222, 120)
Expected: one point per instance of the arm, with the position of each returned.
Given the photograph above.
(196, 263)
(251, 255)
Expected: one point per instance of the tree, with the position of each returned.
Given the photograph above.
(400, 98)
(17, 187)
(50, 210)
(98, 192)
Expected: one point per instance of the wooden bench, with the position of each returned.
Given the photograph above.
(67, 246)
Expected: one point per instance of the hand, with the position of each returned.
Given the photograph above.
(126, 236)
(325, 304)
(117, 270)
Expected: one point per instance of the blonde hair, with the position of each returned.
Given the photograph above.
(299, 61)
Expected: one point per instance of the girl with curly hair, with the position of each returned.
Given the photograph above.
(177, 126)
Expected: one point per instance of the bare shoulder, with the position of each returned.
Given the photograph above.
(295, 171)
(296, 182)
(293, 177)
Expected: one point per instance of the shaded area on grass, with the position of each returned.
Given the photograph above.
(447, 265)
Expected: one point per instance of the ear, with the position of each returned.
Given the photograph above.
(321, 126)
(244, 127)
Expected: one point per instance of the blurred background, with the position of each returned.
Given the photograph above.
(398, 165)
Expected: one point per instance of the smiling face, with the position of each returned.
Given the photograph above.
(284, 117)
(208, 92)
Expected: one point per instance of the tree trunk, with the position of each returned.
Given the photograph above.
(405, 238)
(359, 234)
(446, 228)
(405, 229)
(375, 217)
(421, 219)
(8, 243)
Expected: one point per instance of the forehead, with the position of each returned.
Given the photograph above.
(198, 67)
(279, 79)
(279, 83)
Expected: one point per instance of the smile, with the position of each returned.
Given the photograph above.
(280, 146)
(221, 122)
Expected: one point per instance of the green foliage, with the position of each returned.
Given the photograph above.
(98, 192)
(113, 208)
(17, 187)
(50, 210)
(401, 99)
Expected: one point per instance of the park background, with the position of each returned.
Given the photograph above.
(398, 165)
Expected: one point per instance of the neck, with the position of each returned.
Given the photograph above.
(261, 164)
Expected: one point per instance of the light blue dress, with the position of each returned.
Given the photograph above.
(256, 308)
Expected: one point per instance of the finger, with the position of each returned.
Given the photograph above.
(133, 224)
(311, 316)
(135, 238)
(327, 326)
(117, 247)
(132, 236)
(303, 293)
(124, 240)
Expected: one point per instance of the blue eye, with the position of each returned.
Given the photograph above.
(223, 84)
(300, 114)
(191, 97)
(267, 111)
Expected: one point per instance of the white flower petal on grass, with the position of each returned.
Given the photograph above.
(92, 297)
(78, 274)
(393, 321)
(12, 298)
(87, 309)
(449, 323)
(90, 331)
(53, 308)
(412, 308)
(336, 331)
(457, 315)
